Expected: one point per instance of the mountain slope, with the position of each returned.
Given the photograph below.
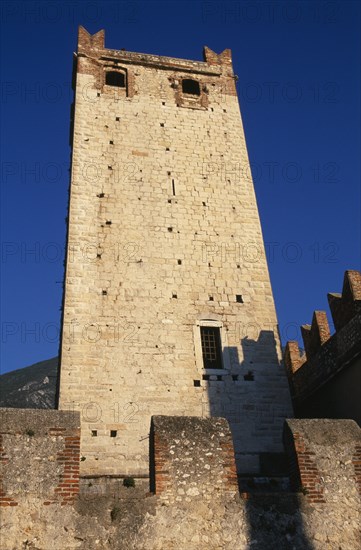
(32, 387)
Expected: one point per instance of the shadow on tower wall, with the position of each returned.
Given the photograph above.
(253, 395)
(253, 398)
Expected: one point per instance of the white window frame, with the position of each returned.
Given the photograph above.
(224, 346)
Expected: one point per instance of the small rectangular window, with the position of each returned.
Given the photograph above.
(113, 78)
(113, 433)
(190, 87)
(211, 347)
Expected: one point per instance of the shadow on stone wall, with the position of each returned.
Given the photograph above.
(251, 399)
(262, 350)
(275, 521)
(254, 397)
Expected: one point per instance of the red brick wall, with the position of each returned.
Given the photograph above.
(68, 486)
(356, 461)
(305, 473)
(5, 500)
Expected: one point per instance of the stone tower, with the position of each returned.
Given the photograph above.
(168, 307)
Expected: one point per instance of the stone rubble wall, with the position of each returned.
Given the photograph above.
(106, 515)
(192, 457)
(325, 458)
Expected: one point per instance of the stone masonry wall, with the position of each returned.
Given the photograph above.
(45, 443)
(192, 456)
(108, 515)
(325, 466)
(164, 236)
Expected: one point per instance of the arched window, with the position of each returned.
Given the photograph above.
(190, 86)
(113, 78)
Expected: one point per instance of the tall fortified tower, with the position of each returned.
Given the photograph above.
(168, 307)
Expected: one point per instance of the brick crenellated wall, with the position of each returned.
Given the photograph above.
(325, 381)
(196, 503)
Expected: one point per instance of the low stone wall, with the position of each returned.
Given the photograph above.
(195, 507)
(192, 457)
(39, 456)
(325, 460)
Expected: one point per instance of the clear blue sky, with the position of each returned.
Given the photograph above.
(299, 90)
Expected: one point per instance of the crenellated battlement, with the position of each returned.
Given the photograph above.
(212, 64)
(326, 356)
(348, 304)
(316, 334)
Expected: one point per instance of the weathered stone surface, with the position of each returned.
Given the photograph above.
(39, 456)
(164, 235)
(193, 457)
(326, 465)
(107, 515)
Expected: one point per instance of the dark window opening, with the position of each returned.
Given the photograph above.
(94, 433)
(205, 376)
(239, 299)
(211, 347)
(179, 262)
(197, 383)
(113, 78)
(190, 86)
(113, 433)
(249, 377)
